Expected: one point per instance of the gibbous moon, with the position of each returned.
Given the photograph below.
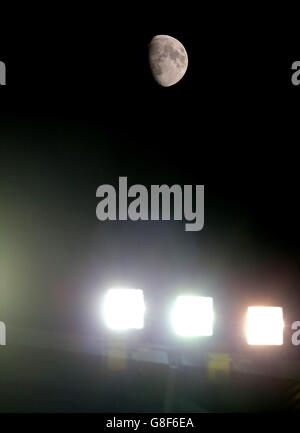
(168, 60)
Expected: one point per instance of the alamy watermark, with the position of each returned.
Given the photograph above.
(296, 75)
(296, 335)
(154, 204)
(2, 334)
(2, 74)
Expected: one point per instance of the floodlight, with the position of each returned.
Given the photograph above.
(265, 326)
(193, 316)
(124, 309)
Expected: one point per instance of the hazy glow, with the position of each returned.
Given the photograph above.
(124, 309)
(193, 316)
(265, 326)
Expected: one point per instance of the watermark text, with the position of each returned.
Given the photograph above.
(155, 204)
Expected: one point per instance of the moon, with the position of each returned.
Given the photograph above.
(168, 60)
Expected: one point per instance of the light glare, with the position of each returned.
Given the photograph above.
(265, 326)
(193, 316)
(124, 309)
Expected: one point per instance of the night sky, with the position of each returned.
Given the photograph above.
(81, 109)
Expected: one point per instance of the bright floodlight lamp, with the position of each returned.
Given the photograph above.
(265, 326)
(193, 316)
(124, 309)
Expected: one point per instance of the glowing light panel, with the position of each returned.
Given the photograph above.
(193, 316)
(265, 326)
(124, 309)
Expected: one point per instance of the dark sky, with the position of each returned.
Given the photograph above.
(81, 109)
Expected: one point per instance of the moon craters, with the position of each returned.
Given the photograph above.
(168, 60)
